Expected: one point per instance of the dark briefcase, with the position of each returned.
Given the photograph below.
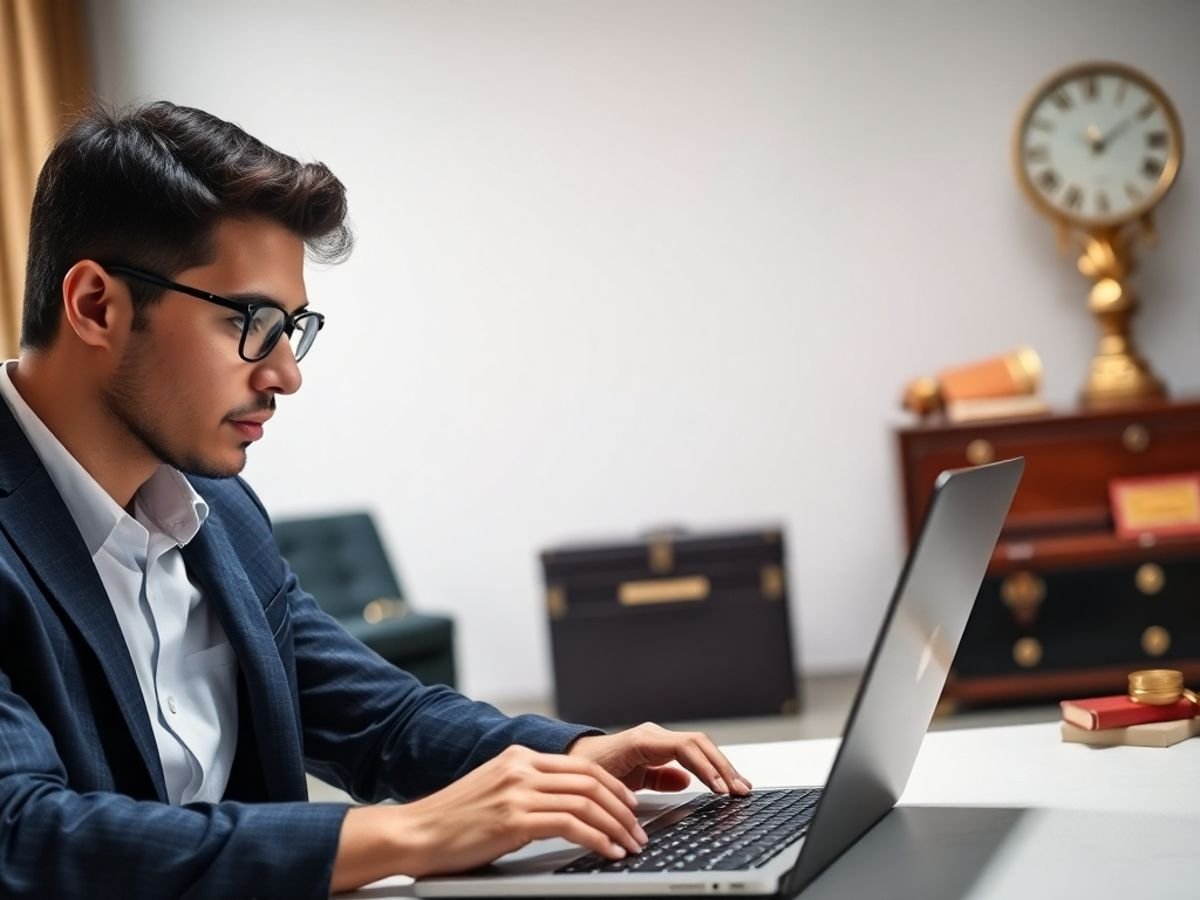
(677, 626)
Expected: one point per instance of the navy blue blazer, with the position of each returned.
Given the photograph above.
(83, 807)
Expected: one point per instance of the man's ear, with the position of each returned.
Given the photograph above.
(97, 306)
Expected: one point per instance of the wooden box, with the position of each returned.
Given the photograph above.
(674, 627)
(1068, 608)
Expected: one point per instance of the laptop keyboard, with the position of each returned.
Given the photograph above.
(717, 833)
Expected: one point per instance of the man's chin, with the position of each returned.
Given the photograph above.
(214, 468)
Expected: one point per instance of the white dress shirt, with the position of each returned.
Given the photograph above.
(184, 664)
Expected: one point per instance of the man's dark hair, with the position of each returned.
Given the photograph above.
(147, 186)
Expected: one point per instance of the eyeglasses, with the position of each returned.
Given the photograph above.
(263, 324)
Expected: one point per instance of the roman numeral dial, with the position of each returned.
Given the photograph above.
(1097, 145)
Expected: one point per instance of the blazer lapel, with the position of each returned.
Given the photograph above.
(38, 523)
(211, 560)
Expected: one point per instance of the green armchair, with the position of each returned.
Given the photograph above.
(341, 561)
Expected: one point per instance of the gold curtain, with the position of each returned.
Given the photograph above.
(43, 79)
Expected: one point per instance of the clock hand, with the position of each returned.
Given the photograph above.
(1117, 129)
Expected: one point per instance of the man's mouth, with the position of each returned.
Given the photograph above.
(251, 425)
(250, 430)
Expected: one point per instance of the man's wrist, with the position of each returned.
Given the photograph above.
(377, 842)
(574, 742)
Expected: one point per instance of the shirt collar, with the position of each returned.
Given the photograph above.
(167, 498)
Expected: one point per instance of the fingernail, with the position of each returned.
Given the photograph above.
(631, 797)
(742, 783)
(618, 851)
(640, 833)
(720, 783)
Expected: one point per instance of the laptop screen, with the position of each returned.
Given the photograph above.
(911, 659)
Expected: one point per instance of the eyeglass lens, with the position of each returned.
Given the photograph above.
(268, 324)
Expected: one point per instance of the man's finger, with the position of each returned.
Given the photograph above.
(666, 778)
(551, 763)
(696, 751)
(589, 788)
(564, 825)
(692, 758)
(730, 775)
(590, 813)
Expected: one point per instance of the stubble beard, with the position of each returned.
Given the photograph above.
(130, 397)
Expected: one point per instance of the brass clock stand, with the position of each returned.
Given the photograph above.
(1118, 373)
(1065, 162)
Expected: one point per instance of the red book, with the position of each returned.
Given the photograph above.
(1095, 713)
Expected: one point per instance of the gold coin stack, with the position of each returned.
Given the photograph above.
(1158, 687)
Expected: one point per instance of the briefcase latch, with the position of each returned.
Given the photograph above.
(660, 555)
(663, 590)
(556, 601)
(771, 582)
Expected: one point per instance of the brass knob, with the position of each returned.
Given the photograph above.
(1136, 438)
(980, 452)
(1150, 579)
(1027, 652)
(1156, 640)
(1023, 592)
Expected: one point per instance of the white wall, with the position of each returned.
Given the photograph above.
(627, 263)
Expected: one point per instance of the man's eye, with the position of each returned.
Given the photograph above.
(236, 321)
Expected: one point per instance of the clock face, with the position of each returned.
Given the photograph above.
(1099, 144)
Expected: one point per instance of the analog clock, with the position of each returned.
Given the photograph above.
(1097, 145)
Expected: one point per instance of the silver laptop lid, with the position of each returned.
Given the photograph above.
(911, 659)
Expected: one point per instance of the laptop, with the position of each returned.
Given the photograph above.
(773, 842)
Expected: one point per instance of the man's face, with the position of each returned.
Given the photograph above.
(181, 388)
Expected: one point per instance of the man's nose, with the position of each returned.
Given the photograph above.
(278, 371)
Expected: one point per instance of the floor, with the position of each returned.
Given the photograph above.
(827, 701)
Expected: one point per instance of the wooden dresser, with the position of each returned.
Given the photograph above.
(1068, 609)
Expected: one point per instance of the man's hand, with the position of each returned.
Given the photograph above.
(644, 757)
(585, 796)
(518, 797)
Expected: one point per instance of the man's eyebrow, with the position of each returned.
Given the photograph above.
(252, 297)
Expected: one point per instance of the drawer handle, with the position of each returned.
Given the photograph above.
(1136, 438)
(1156, 640)
(1150, 579)
(1027, 652)
(1023, 592)
(663, 590)
(980, 452)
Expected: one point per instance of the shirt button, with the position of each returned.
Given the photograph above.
(171, 705)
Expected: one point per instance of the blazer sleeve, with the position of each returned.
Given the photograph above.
(57, 842)
(373, 729)
(377, 732)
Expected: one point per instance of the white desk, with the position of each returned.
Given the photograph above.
(1005, 813)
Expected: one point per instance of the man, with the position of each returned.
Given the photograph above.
(164, 681)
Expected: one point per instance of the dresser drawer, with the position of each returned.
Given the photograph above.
(1069, 461)
(1036, 628)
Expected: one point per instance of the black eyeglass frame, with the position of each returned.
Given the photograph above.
(246, 309)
